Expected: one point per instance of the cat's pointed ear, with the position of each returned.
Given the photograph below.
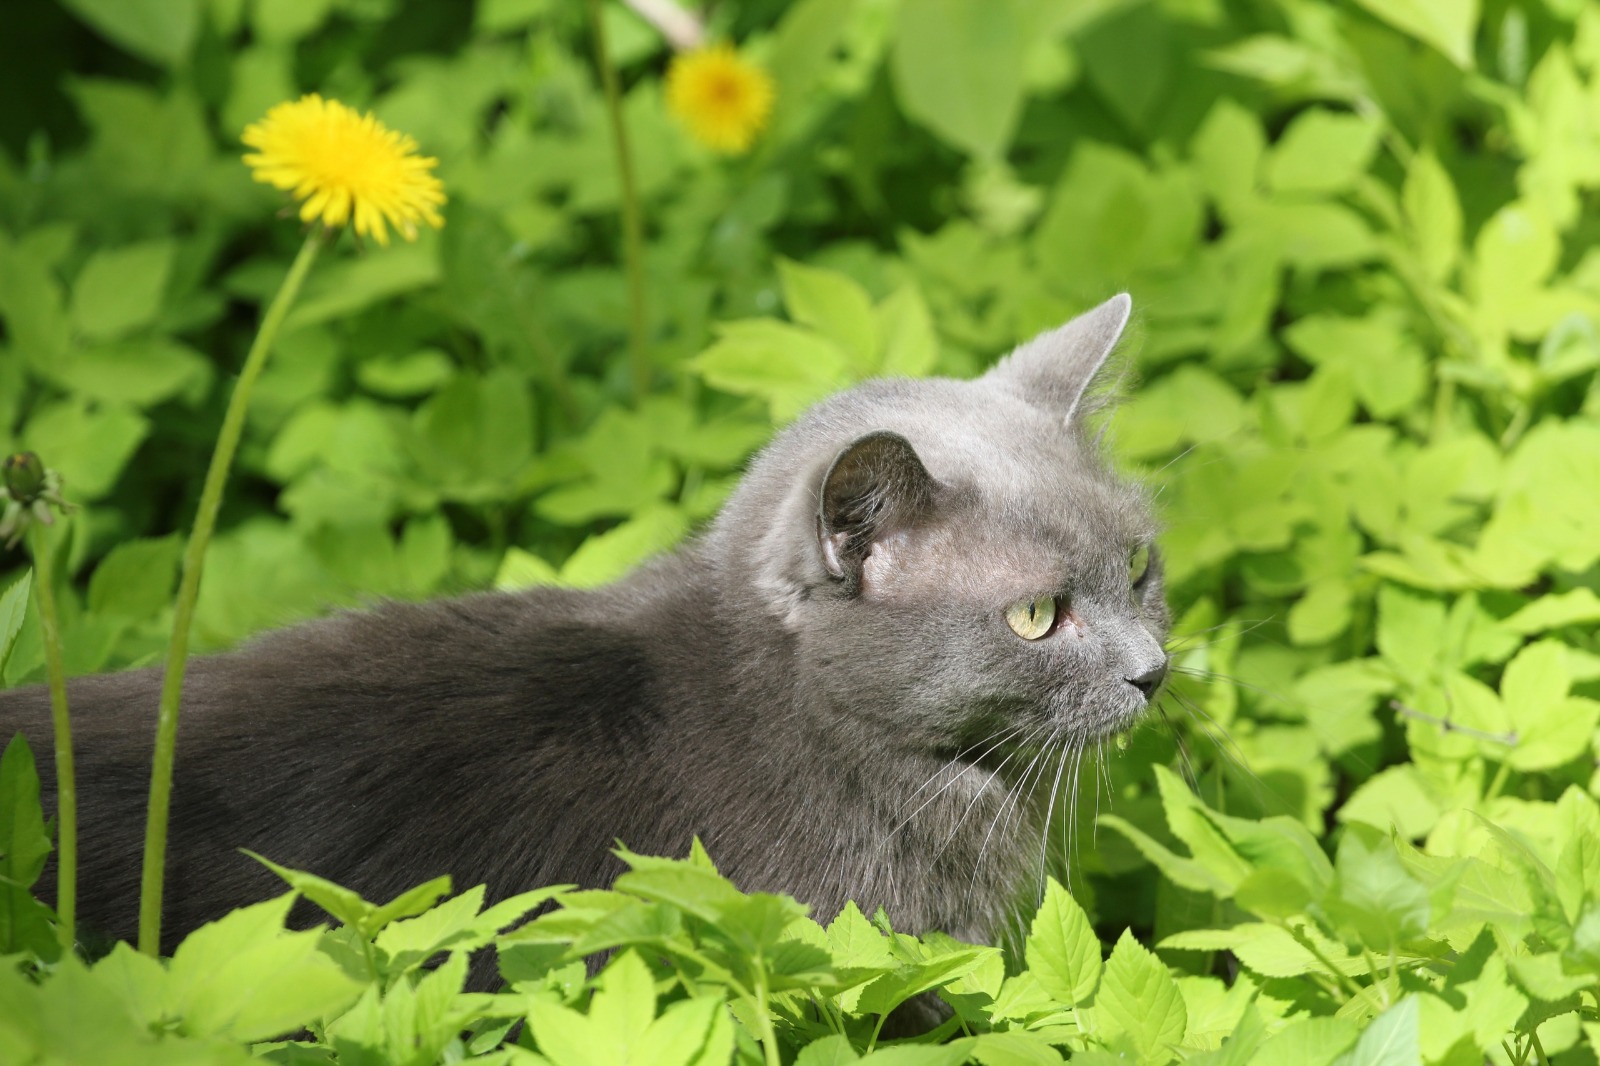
(877, 486)
(1053, 369)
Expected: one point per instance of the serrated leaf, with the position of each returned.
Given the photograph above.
(1434, 214)
(1447, 25)
(1063, 951)
(957, 68)
(120, 289)
(246, 978)
(835, 306)
(1322, 152)
(136, 578)
(13, 612)
(1139, 1000)
(1391, 1040)
(162, 31)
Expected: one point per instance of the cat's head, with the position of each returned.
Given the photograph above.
(953, 560)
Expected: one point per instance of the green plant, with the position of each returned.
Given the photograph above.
(1360, 239)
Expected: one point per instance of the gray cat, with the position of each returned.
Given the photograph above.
(919, 588)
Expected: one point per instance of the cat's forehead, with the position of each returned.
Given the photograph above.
(1022, 469)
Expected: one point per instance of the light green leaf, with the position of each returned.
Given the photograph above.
(13, 612)
(694, 1032)
(161, 31)
(136, 578)
(1270, 950)
(1373, 895)
(1447, 25)
(784, 365)
(607, 556)
(1322, 152)
(1139, 999)
(835, 306)
(120, 289)
(1433, 213)
(244, 977)
(957, 67)
(1017, 1048)
(625, 1003)
(522, 569)
(1062, 949)
(1391, 1040)
(1550, 727)
(910, 344)
(87, 446)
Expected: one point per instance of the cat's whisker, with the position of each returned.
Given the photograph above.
(1012, 802)
(1049, 814)
(1229, 749)
(1004, 735)
(1183, 749)
(984, 790)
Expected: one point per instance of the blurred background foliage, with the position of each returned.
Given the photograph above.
(1359, 236)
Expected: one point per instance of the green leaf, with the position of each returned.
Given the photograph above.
(1391, 1040)
(625, 1003)
(1448, 25)
(835, 306)
(121, 289)
(910, 344)
(1139, 1000)
(1373, 895)
(142, 373)
(1062, 950)
(245, 978)
(1014, 1049)
(829, 1051)
(693, 1032)
(567, 1038)
(1434, 214)
(607, 556)
(13, 612)
(162, 31)
(521, 570)
(349, 285)
(347, 906)
(1322, 152)
(136, 578)
(782, 364)
(24, 846)
(88, 446)
(1550, 727)
(1270, 950)
(957, 67)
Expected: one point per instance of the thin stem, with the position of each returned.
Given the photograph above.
(768, 1035)
(205, 521)
(66, 775)
(632, 216)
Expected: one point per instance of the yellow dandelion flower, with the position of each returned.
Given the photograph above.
(345, 167)
(723, 98)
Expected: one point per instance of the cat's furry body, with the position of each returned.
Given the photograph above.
(813, 687)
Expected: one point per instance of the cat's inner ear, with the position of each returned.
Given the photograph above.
(1053, 370)
(876, 488)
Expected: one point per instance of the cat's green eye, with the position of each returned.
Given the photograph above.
(1032, 619)
(1138, 564)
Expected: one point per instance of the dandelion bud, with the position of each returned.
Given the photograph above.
(24, 476)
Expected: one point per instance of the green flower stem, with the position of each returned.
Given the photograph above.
(155, 838)
(632, 215)
(66, 775)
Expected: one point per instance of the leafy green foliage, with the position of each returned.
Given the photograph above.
(1360, 242)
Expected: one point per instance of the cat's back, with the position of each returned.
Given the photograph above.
(370, 745)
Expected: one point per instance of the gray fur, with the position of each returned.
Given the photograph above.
(813, 686)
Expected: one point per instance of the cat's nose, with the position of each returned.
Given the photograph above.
(1148, 680)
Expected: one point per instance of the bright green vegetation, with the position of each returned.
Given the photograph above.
(1360, 240)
